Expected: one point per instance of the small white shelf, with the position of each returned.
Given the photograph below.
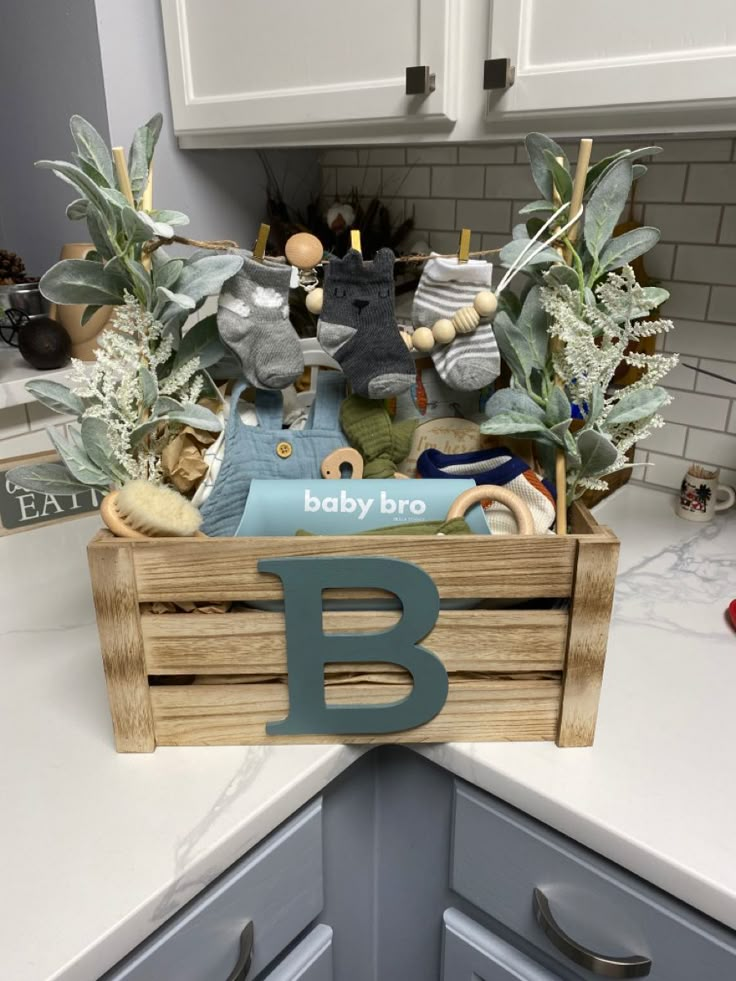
(15, 372)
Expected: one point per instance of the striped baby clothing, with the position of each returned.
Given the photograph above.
(470, 361)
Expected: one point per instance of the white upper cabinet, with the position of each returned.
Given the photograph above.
(650, 65)
(286, 73)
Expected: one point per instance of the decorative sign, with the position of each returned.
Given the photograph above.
(309, 648)
(21, 509)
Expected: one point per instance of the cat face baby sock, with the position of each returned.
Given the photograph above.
(253, 321)
(470, 361)
(357, 326)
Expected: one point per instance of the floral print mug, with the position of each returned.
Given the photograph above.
(701, 495)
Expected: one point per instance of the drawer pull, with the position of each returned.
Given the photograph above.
(240, 971)
(604, 967)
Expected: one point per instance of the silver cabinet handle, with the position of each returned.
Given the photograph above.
(420, 80)
(498, 73)
(240, 971)
(604, 967)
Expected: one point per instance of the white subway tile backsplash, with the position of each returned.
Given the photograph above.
(728, 227)
(687, 151)
(669, 439)
(337, 157)
(431, 154)
(710, 447)
(662, 182)
(39, 417)
(410, 182)
(714, 182)
(706, 264)
(366, 180)
(681, 378)
(510, 182)
(714, 386)
(684, 222)
(732, 419)
(436, 213)
(37, 442)
(688, 300)
(664, 471)
(484, 216)
(380, 156)
(695, 337)
(660, 260)
(694, 409)
(447, 242)
(723, 308)
(457, 182)
(487, 154)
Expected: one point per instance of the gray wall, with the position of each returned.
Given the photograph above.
(222, 191)
(49, 69)
(105, 60)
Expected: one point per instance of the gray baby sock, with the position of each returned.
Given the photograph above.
(471, 361)
(357, 326)
(253, 321)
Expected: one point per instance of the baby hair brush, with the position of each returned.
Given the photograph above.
(143, 510)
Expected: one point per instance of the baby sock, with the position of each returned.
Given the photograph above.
(253, 321)
(357, 326)
(501, 468)
(470, 361)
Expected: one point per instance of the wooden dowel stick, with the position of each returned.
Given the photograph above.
(576, 200)
(259, 249)
(121, 168)
(463, 252)
(578, 189)
(355, 242)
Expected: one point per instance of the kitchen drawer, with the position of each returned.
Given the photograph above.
(310, 961)
(470, 953)
(278, 886)
(500, 856)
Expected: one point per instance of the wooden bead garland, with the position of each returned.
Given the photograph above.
(464, 321)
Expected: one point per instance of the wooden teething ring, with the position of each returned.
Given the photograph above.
(489, 492)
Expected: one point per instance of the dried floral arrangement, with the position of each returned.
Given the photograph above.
(148, 380)
(565, 335)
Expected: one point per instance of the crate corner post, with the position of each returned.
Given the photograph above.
(117, 608)
(590, 615)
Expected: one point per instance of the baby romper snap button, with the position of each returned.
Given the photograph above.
(284, 450)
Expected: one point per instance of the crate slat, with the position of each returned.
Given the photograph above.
(478, 710)
(461, 566)
(253, 642)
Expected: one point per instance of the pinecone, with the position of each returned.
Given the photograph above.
(12, 268)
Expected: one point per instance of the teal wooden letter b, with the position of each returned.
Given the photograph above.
(308, 648)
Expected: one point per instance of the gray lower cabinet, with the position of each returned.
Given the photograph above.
(311, 960)
(277, 886)
(584, 912)
(470, 953)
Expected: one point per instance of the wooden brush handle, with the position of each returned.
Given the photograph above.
(112, 518)
(489, 492)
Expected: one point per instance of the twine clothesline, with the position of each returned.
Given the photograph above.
(218, 244)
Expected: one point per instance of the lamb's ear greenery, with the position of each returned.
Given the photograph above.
(595, 307)
(119, 270)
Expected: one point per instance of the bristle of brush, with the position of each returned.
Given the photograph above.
(157, 511)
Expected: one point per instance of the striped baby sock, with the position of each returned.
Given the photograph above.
(471, 361)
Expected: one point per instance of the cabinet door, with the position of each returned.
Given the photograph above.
(310, 961)
(470, 953)
(629, 64)
(288, 69)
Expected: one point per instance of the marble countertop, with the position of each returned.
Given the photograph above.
(99, 849)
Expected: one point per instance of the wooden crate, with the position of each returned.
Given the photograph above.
(183, 679)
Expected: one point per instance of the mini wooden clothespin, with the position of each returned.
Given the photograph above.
(355, 241)
(463, 252)
(259, 249)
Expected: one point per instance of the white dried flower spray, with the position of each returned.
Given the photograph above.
(121, 386)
